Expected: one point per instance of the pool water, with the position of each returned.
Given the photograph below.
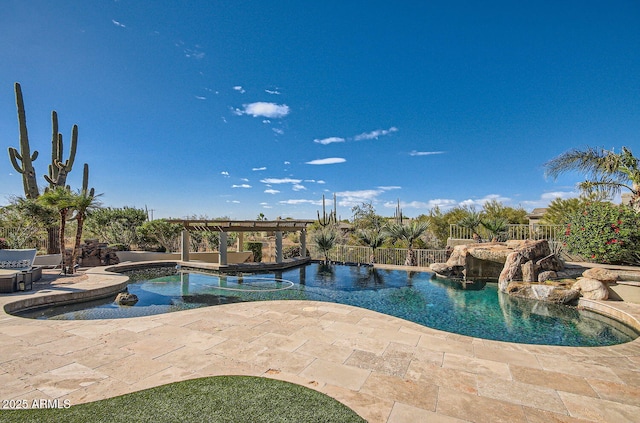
(477, 310)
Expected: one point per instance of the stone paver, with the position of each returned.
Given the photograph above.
(384, 368)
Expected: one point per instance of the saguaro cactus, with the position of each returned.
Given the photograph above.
(59, 169)
(327, 219)
(23, 161)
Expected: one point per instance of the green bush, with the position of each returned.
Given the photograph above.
(604, 233)
(256, 249)
(292, 252)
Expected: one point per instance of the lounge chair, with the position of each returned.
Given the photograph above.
(17, 271)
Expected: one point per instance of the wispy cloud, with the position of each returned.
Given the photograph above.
(271, 191)
(272, 92)
(256, 169)
(353, 198)
(276, 181)
(473, 202)
(301, 201)
(375, 134)
(264, 109)
(389, 188)
(425, 153)
(330, 140)
(441, 203)
(298, 187)
(199, 97)
(241, 186)
(239, 89)
(224, 173)
(193, 53)
(278, 131)
(329, 160)
(116, 23)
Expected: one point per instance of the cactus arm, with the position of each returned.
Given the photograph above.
(72, 152)
(14, 156)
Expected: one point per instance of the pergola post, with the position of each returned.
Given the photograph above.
(222, 260)
(240, 242)
(184, 248)
(303, 243)
(279, 247)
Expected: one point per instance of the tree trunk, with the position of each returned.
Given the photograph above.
(53, 240)
(63, 220)
(76, 245)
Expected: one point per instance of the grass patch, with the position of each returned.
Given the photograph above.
(211, 399)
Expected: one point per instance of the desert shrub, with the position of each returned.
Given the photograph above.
(256, 249)
(292, 251)
(604, 233)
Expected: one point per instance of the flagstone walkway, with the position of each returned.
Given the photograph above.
(384, 368)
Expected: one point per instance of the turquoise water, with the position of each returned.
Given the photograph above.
(477, 310)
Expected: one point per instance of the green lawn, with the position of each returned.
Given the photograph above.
(212, 399)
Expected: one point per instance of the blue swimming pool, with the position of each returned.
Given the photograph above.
(477, 310)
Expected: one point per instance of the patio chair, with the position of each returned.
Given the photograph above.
(17, 271)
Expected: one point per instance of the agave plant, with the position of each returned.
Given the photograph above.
(497, 228)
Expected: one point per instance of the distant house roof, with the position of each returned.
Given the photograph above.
(537, 213)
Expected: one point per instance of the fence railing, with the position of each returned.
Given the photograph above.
(393, 256)
(512, 232)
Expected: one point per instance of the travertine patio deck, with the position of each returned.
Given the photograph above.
(385, 368)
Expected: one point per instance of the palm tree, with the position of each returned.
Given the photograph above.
(61, 199)
(471, 221)
(409, 233)
(84, 203)
(496, 227)
(325, 239)
(372, 238)
(607, 172)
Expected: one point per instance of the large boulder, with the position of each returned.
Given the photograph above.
(591, 289)
(603, 275)
(126, 299)
(554, 293)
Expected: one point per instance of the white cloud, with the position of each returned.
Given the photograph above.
(389, 188)
(244, 179)
(239, 89)
(329, 160)
(241, 186)
(224, 173)
(273, 92)
(271, 191)
(193, 53)
(321, 182)
(480, 202)
(278, 131)
(301, 201)
(443, 204)
(353, 198)
(280, 181)
(330, 140)
(425, 153)
(199, 97)
(287, 163)
(116, 23)
(550, 196)
(264, 109)
(375, 134)
(255, 169)
(298, 187)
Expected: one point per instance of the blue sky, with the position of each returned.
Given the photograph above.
(235, 108)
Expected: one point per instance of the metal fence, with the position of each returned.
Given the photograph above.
(393, 256)
(512, 232)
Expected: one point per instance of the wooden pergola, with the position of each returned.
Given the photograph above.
(240, 227)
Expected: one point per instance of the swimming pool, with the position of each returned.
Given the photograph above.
(477, 310)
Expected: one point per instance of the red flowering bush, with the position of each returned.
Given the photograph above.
(604, 233)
